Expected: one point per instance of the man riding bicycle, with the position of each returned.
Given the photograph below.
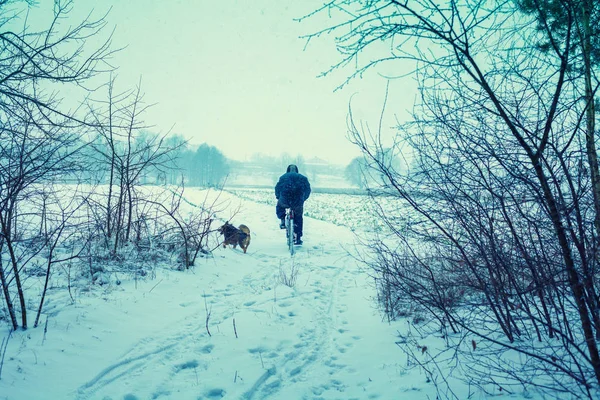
(291, 191)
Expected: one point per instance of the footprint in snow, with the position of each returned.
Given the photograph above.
(255, 350)
(207, 349)
(186, 365)
(216, 393)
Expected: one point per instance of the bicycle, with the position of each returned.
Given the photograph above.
(289, 230)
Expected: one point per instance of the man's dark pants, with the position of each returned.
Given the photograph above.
(298, 210)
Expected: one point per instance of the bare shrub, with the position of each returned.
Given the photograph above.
(38, 136)
(493, 225)
(288, 275)
(187, 229)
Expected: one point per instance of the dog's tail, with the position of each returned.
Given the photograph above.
(244, 237)
(244, 229)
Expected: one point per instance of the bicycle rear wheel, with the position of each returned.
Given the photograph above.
(290, 232)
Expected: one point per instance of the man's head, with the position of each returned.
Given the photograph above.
(292, 168)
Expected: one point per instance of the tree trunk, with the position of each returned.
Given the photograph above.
(573, 276)
(48, 265)
(592, 155)
(9, 304)
(118, 226)
(15, 265)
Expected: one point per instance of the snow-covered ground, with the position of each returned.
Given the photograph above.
(321, 338)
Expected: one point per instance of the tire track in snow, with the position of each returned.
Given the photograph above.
(148, 351)
(103, 378)
(259, 382)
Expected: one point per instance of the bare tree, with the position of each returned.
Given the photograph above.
(128, 153)
(29, 157)
(582, 18)
(37, 137)
(60, 228)
(209, 167)
(492, 228)
(353, 173)
(32, 61)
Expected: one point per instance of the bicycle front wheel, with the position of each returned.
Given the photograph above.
(290, 235)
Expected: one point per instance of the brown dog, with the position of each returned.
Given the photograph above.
(235, 236)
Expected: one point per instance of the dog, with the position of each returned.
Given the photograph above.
(235, 236)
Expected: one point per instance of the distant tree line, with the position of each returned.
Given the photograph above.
(361, 171)
(204, 166)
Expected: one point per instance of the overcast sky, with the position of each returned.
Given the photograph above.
(234, 74)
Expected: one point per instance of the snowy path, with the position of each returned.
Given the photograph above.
(321, 339)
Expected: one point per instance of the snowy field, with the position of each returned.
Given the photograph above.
(269, 179)
(260, 325)
(352, 211)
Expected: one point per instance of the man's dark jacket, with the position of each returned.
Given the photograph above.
(292, 190)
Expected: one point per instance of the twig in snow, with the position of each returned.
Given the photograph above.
(234, 329)
(235, 377)
(207, 314)
(307, 279)
(155, 286)
(45, 331)
(69, 282)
